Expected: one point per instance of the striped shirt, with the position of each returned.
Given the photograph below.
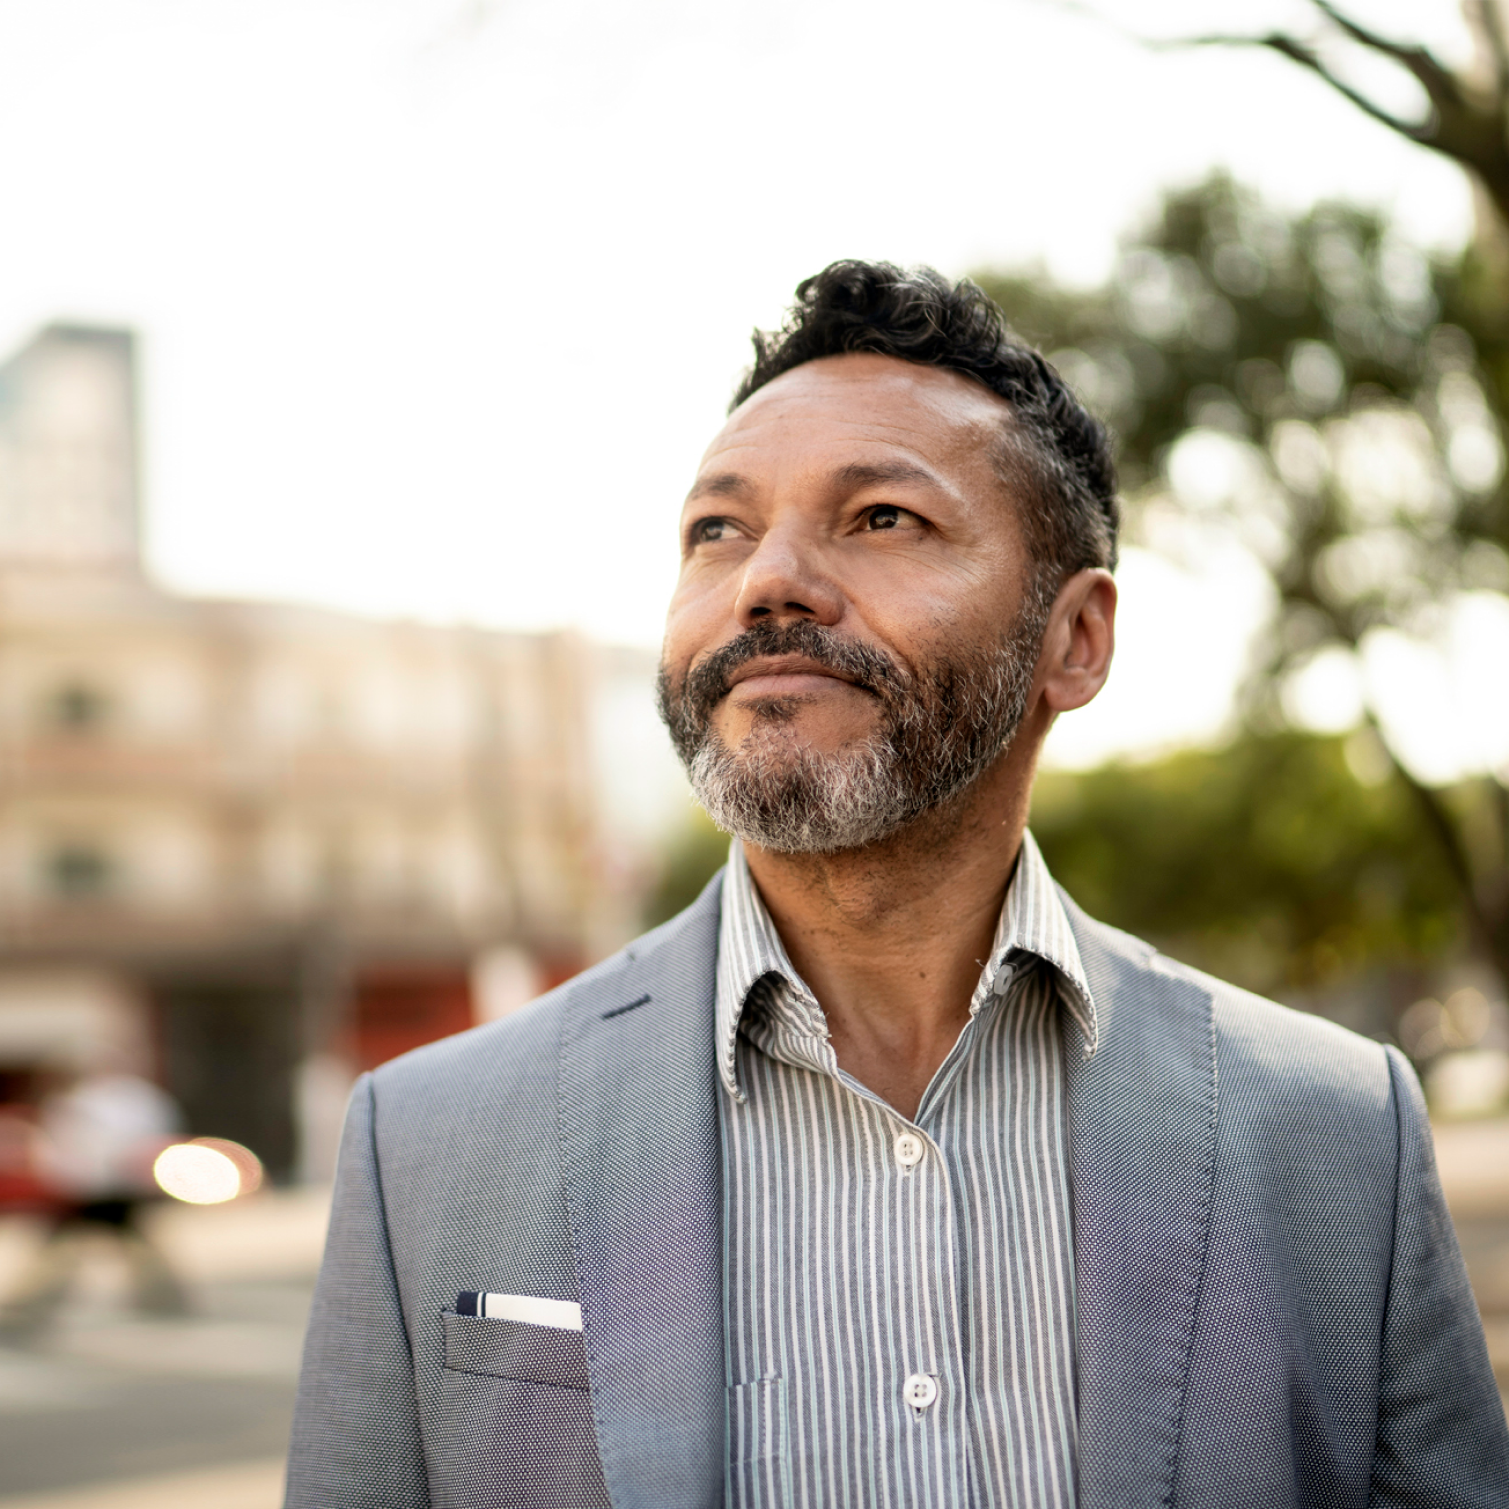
(899, 1295)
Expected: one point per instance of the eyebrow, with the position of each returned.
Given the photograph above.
(853, 477)
(720, 485)
(858, 474)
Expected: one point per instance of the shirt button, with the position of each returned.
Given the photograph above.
(919, 1390)
(909, 1149)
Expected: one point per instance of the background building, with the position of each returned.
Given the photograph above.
(251, 848)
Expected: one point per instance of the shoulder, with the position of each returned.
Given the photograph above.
(1291, 1056)
(516, 1059)
(1270, 1057)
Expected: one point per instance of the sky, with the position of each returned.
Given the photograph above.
(440, 300)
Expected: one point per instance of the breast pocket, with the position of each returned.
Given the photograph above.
(514, 1349)
(759, 1458)
(517, 1419)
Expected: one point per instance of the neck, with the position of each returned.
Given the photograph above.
(891, 938)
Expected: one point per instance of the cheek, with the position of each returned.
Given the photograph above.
(691, 627)
(926, 594)
(924, 628)
(977, 605)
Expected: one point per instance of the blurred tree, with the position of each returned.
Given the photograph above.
(1269, 862)
(692, 856)
(1334, 398)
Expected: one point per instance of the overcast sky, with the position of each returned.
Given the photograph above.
(440, 301)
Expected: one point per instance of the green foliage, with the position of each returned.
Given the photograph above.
(1315, 384)
(1268, 862)
(692, 857)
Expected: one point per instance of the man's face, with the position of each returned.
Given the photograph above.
(851, 638)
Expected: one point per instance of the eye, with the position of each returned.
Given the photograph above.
(889, 516)
(711, 531)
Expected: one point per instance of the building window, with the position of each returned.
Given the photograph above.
(78, 707)
(79, 871)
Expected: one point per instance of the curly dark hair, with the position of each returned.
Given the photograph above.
(1052, 450)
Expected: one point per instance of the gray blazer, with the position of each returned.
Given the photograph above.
(1272, 1308)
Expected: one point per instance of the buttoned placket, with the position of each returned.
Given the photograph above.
(938, 1285)
(930, 1380)
(933, 1382)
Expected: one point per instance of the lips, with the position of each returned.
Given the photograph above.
(779, 662)
(776, 669)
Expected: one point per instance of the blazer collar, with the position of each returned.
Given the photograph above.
(640, 1154)
(1142, 1142)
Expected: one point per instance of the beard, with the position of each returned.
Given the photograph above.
(940, 726)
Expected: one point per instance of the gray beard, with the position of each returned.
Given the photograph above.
(797, 802)
(939, 731)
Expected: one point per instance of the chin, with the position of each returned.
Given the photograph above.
(789, 723)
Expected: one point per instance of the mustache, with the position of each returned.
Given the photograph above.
(868, 668)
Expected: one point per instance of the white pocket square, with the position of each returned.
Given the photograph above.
(562, 1314)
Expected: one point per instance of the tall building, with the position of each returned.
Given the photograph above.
(68, 443)
(254, 848)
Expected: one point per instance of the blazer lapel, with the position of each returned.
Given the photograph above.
(1142, 1138)
(640, 1151)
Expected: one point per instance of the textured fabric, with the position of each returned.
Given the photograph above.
(1249, 1184)
(356, 1437)
(638, 1129)
(1272, 1310)
(513, 1349)
(854, 1262)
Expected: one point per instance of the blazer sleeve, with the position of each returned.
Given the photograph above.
(1442, 1439)
(356, 1441)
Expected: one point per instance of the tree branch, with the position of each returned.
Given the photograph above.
(1491, 19)
(1498, 793)
(1306, 57)
(1401, 52)
(1473, 137)
(1297, 52)
(1442, 87)
(1491, 931)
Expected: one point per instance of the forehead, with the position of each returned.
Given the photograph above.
(839, 404)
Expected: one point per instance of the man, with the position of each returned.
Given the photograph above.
(883, 1175)
(99, 1132)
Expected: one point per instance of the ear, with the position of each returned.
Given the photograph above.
(1079, 641)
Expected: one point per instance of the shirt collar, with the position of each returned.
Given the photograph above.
(749, 948)
(1032, 922)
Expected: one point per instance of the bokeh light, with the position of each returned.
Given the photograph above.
(207, 1171)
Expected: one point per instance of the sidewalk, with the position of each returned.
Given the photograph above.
(111, 1410)
(1473, 1159)
(252, 1485)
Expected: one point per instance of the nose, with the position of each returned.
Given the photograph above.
(785, 580)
